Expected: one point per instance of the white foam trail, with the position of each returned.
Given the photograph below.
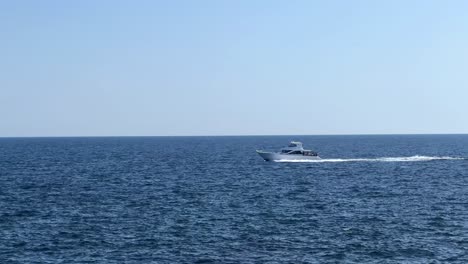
(382, 159)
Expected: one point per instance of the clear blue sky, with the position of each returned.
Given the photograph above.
(96, 68)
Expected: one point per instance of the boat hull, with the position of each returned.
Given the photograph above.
(274, 156)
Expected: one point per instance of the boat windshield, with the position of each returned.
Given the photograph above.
(292, 145)
(295, 152)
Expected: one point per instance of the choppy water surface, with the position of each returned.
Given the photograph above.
(373, 199)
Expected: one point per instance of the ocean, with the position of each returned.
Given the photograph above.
(372, 199)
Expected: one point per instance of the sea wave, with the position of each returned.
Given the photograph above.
(381, 159)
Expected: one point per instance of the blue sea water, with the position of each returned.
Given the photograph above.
(373, 199)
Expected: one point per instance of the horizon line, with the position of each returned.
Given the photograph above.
(243, 135)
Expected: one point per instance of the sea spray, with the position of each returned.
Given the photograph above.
(380, 159)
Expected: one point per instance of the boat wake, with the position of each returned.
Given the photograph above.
(382, 159)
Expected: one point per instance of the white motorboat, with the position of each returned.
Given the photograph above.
(294, 151)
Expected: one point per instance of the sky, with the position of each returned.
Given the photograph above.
(175, 68)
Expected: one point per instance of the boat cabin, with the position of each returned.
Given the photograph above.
(295, 148)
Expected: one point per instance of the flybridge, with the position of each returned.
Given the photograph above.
(293, 145)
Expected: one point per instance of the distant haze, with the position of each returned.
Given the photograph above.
(110, 68)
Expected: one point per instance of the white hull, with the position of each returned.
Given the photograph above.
(274, 156)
